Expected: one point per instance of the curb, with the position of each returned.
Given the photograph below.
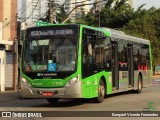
(7, 96)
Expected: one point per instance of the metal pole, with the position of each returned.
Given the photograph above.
(17, 75)
(40, 8)
(99, 20)
(51, 11)
(97, 11)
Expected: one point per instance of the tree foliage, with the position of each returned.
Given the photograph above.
(115, 14)
(61, 15)
(81, 17)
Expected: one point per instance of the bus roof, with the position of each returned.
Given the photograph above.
(122, 35)
(108, 32)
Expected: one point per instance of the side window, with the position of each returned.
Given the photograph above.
(94, 56)
(99, 51)
(88, 49)
(88, 53)
(122, 55)
(148, 58)
(145, 57)
(107, 54)
(103, 53)
(137, 56)
(141, 56)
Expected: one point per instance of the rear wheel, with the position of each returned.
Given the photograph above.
(140, 84)
(101, 92)
(52, 100)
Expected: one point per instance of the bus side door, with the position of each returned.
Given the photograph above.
(130, 65)
(115, 72)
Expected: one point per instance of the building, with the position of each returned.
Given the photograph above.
(71, 4)
(131, 3)
(31, 11)
(8, 31)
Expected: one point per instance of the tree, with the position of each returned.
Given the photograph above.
(61, 15)
(115, 14)
(156, 44)
(81, 17)
(90, 19)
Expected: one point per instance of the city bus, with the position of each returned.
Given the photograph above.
(78, 61)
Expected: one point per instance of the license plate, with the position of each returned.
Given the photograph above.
(47, 94)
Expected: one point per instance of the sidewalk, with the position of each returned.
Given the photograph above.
(155, 77)
(8, 96)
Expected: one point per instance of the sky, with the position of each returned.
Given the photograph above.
(149, 3)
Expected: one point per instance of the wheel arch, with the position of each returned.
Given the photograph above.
(105, 83)
(140, 74)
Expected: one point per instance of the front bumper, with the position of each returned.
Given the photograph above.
(73, 91)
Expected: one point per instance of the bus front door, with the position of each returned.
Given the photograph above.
(130, 65)
(115, 72)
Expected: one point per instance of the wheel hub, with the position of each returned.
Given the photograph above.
(101, 90)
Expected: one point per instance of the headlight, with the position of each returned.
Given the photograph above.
(24, 81)
(72, 81)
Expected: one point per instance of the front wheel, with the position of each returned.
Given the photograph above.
(101, 92)
(52, 100)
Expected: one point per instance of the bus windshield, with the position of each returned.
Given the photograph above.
(50, 54)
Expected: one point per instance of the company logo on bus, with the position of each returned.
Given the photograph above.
(46, 74)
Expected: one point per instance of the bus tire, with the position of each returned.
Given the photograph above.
(52, 100)
(101, 92)
(140, 84)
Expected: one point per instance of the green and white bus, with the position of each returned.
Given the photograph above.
(79, 61)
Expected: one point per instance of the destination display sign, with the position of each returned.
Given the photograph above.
(51, 32)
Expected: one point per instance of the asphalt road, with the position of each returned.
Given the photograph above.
(126, 101)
